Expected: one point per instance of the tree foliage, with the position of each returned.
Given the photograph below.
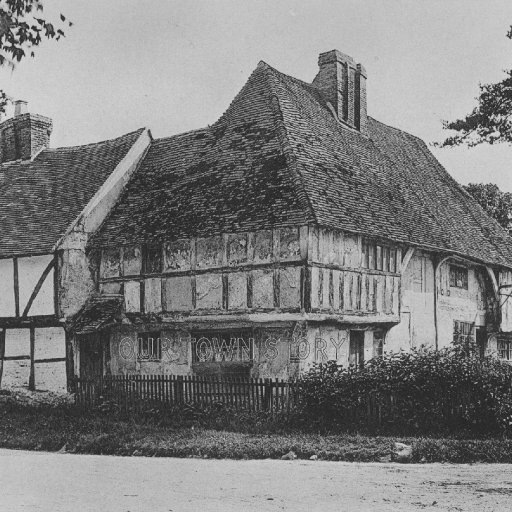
(22, 28)
(496, 203)
(491, 120)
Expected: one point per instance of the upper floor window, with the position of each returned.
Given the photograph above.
(379, 257)
(458, 277)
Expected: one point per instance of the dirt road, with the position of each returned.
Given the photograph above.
(53, 482)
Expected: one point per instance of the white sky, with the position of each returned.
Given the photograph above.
(176, 65)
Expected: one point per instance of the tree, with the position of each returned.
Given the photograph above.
(22, 28)
(496, 203)
(491, 120)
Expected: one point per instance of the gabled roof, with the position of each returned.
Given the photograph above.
(279, 157)
(40, 198)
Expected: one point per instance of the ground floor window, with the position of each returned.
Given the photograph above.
(463, 333)
(356, 348)
(378, 343)
(149, 346)
(505, 348)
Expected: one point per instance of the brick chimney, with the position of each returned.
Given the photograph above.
(24, 135)
(342, 82)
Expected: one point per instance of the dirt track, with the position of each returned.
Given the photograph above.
(52, 482)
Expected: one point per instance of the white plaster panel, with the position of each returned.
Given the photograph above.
(237, 290)
(49, 342)
(289, 284)
(263, 289)
(15, 374)
(29, 272)
(178, 294)
(17, 342)
(209, 291)
(50, 376)
(132, 296)
(153, 295)
(7, 306)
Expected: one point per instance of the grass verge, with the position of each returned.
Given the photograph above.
(228, 436)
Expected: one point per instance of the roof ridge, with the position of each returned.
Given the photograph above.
(92, 144)
(182, 134)
(286, 146)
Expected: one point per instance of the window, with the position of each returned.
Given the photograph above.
(153, 259)
(149, 346)
(379, 257)
(378, 343)
(463, 333)
(458, 277)
(356, 348)
(505, 348)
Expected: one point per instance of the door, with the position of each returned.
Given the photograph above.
(481, 341)
(91, 356)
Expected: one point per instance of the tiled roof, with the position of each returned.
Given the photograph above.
(99, 312)
(279, 157)
(40, 198)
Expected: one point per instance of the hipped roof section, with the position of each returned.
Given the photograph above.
(278, 157)
(40, 198)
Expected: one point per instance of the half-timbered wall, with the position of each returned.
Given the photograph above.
(467, 302)
(417, 319)
(286, 269)
(259, 271)
(464, 300)
(353, 275)
(32, 344)
(505, 297)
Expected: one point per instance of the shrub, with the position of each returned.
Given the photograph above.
(424, 390)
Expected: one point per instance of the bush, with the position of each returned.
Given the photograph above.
(425, 390)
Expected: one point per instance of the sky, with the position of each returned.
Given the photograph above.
(175, 65)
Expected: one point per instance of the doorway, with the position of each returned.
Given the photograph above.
(91, 356)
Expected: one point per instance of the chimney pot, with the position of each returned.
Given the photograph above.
(20, 107)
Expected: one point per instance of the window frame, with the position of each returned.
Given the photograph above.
(504, 348)
(453, 278)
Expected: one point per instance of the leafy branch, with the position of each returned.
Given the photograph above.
(22, 28)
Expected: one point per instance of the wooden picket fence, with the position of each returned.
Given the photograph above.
(140, 392)
(143, 393)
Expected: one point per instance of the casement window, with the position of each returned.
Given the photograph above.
(379, 257)
(110, 263)
(378, 343)
(236, 346)
(458, 277)
(505, 348)
(356, 348)
(152, 261)
(463, 333)
(149, 346)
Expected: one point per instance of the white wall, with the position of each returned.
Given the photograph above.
(7, 307)
(29, 272)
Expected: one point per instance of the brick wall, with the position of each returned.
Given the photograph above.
(21, 137)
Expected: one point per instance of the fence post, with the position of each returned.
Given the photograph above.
(178, 383)
(267, 396)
